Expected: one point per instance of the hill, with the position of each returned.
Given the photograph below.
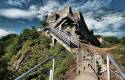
(115, 46)
(20, 53)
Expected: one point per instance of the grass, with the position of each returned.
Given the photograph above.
(119, 54)
(38, 53)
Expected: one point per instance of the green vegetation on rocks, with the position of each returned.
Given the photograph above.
(19, 53)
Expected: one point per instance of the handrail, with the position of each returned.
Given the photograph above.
(116, 65)
(60, 35)
(24, 75)
(65, 36)
(117, 74)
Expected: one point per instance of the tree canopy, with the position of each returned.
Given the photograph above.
(122, 40)
(112, 39)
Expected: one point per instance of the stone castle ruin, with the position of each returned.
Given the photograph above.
(73, 23)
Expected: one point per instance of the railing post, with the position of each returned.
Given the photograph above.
(77, 62)
(95, 62)
(121, 73)
(24, 75)
(108, 69)
(82, 53)
(50, 74)
(53, 68)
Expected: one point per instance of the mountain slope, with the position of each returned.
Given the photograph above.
(31, 48)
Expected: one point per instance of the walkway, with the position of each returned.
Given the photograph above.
(86, 76)
(86, 67)
(86, 64)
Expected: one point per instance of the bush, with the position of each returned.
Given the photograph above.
(119, 54)
(98, 36)
(106, 45)
(44, 23)
(29, 34)
(112, 39)
(122, 40)
(33, 48)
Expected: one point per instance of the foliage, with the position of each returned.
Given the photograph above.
(29, 34)
(112, 39)
(3, 69)
(106, 45)
(6, 41)
(35, 47)
(98, 36)
(7, 46)
(2, 51)
(44, 23)
(26, 45)
(119, 54)
(10, 52)
(63, 58)
(122, 40)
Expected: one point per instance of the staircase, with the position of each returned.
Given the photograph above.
(87, 68)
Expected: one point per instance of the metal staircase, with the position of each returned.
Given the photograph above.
(65, 37)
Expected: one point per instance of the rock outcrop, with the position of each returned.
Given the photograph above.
(72, 23)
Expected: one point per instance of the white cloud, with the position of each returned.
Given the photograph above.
(90, 5)
(48, 8)
(108, 25)
(3, 33)
(18, 3)
(111, 20)
(119, 34)
(32, 12)
(17, 13)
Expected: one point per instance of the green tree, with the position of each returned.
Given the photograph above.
(33, 33)
(98, 36)
(29, 34)
(44, 23)
(6, 41)
(112, 39)
(122, 40)
(1, 48)
(25, 35)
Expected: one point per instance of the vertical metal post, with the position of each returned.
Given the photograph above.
(50, 74)
(95, 62)
(108, 69)
(82, 53)
(77, 62)
(96, 68)
(53, 68)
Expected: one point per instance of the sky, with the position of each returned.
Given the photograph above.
(105, 17)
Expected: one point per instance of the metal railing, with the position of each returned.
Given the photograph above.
(61, 35)
(26, 74)
(111, 60)
(67, 38)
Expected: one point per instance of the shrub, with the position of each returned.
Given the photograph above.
(112, 39)
(122, 40)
